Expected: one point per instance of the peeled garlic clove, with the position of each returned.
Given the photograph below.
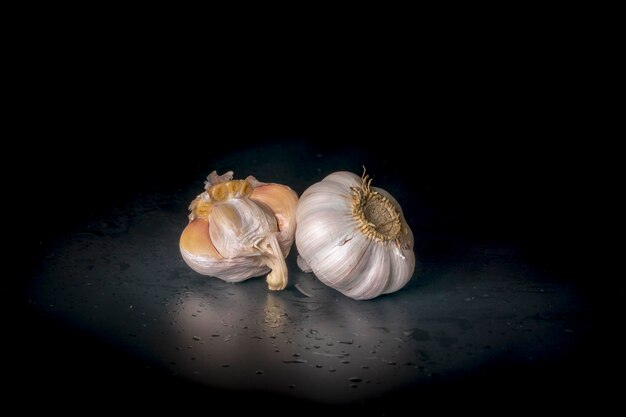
(240, 229)
(354, 237)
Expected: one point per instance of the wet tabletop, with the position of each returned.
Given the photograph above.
(477, 313)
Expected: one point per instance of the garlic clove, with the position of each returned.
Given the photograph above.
(402, 267)
(200, 254)
(336, 248)
(373, 279)
(282, 201)
(196, 240)
(341, 263)
(236, 227)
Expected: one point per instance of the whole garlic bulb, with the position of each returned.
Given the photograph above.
(239, 229)
(354, 237)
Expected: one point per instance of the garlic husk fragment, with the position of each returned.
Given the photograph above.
(354, 237)
(239, 229)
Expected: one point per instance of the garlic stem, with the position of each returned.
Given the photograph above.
(272, 256)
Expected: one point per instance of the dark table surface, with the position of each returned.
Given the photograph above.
(496, 311)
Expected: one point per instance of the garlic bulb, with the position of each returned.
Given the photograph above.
(354, 237)
(239, 229)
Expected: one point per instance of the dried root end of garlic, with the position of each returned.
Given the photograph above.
(239, 229)
(354, 237)
(376, 216)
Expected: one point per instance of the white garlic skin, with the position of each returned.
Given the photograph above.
(341, 255)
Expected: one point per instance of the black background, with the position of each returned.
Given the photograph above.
(504, 154)
(493, 142)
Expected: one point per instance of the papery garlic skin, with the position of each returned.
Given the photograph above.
(354, 237)
(239, 229)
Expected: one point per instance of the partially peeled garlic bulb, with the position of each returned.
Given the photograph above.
(354, 237)
(239, 229)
